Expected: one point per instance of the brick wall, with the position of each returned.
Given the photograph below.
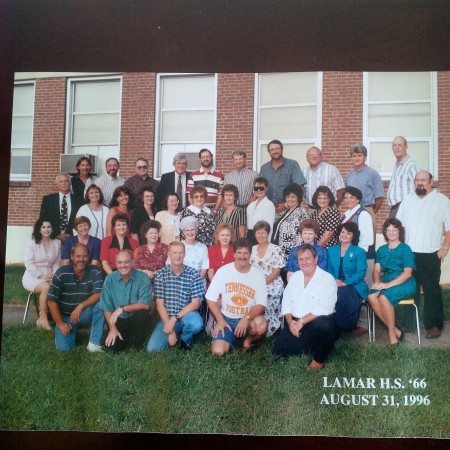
(444, 132)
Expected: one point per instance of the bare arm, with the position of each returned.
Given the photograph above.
(378, 203)
(274, 274)
(75, 316)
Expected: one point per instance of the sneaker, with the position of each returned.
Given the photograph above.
(94, 348)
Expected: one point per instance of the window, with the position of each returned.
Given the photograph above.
(186, 118)
(93, 117)
(288, 108)
(22, 132)
(400, 104)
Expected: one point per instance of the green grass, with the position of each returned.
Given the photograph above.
(14, 293)
(192, 392)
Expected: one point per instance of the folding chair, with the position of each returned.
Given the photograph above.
(27, 306)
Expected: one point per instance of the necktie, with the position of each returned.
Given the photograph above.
(180, 190)
(64, 216)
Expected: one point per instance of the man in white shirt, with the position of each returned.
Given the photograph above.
(308, 306)
(425, 214)
(110, 180)
(402, 180)
(242, 289)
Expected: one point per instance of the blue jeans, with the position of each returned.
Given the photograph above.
(92, 316)
(188, 326)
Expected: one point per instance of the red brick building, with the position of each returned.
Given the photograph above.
(157, 115)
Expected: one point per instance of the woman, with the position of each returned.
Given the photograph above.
(285, 229)
(82, 227)
(230, 213)
(196, 252)
(221, 252)
(41, 258)
(95, 211)
(347, 263)
(169, 218)
(326, 215)
(111, 245)
(270, 259)
(151, 256)
(197, 209)
(119, 204)
(143, 213)
(392, 276)
(260, 209)
(83, 179)
(308, 230)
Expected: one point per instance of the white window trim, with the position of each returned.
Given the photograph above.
(258, 143)
(433, 140)
(18, 177)
(69, 105)
(158, 109)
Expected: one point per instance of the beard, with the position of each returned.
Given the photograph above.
(420, 191)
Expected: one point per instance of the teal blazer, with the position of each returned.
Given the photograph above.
(354, 267)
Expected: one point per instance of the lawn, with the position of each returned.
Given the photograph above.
(242, 393)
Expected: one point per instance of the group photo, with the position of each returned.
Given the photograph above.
(249, 253)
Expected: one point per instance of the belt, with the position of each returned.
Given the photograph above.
(368, 206)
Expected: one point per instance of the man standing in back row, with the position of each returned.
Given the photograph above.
(138, 182)
(110, 180)
(280, 172)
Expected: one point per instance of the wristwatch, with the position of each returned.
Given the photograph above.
(247, 317)
(122, 307)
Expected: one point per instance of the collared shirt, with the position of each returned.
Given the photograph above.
(117, 292)
(212, 181)
(322, 255)
(402, 180)
(177, 291)
(322, 175)
(68, 291)
(108, 184)
(368, 181)
(318, 297)
(136, 184)
(365, 227)
(262, 210)
(425, 219)
(243, 180)
(289, 172)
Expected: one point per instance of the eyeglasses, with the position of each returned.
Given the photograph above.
(258, 188)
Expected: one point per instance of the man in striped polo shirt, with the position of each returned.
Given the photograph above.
(402, 180)
(208, 177)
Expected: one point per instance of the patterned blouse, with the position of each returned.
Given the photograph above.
(237, 218)
(328, 220)
(205, 233)
(144, 259)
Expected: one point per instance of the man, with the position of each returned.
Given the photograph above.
(425, 214)
(178, 293)
(175, 181)
(242, 289)
(208, 177)
(110, 180)
(138, 182)
(367, 180)
(73, 301)
(308, 307)
(61, 208)
(402, 180)
(125, 302)
(280, 172)
(242, 178)
(319, 173)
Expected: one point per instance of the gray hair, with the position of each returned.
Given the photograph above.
(179, 157)
(189, 222)
(359, 148)
(63, 174)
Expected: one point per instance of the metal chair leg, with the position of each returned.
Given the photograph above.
(27, 306)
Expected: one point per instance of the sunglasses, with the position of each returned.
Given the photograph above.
(258, 188)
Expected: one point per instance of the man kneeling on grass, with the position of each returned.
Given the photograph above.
(178, 292)
(242, 289)
(125, 301)
(308, 309)
(73, 301)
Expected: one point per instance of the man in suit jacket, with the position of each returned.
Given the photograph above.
(53, 204)
(169, 182)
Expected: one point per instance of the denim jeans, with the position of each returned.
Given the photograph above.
(92, 316)
(188, 326)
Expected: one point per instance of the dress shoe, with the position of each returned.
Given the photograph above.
(184, 346)
(433, 333)
(314, 365)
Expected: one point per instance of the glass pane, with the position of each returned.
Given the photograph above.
(291, 151)
(22, 131)
(188, 92)
(96, 129)
(92, 96)
(399, 86)
(20, 161)
(288, 88)
(187, 126)
(289, 123)
(23, 99)
(383, 160)
(401, 119)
